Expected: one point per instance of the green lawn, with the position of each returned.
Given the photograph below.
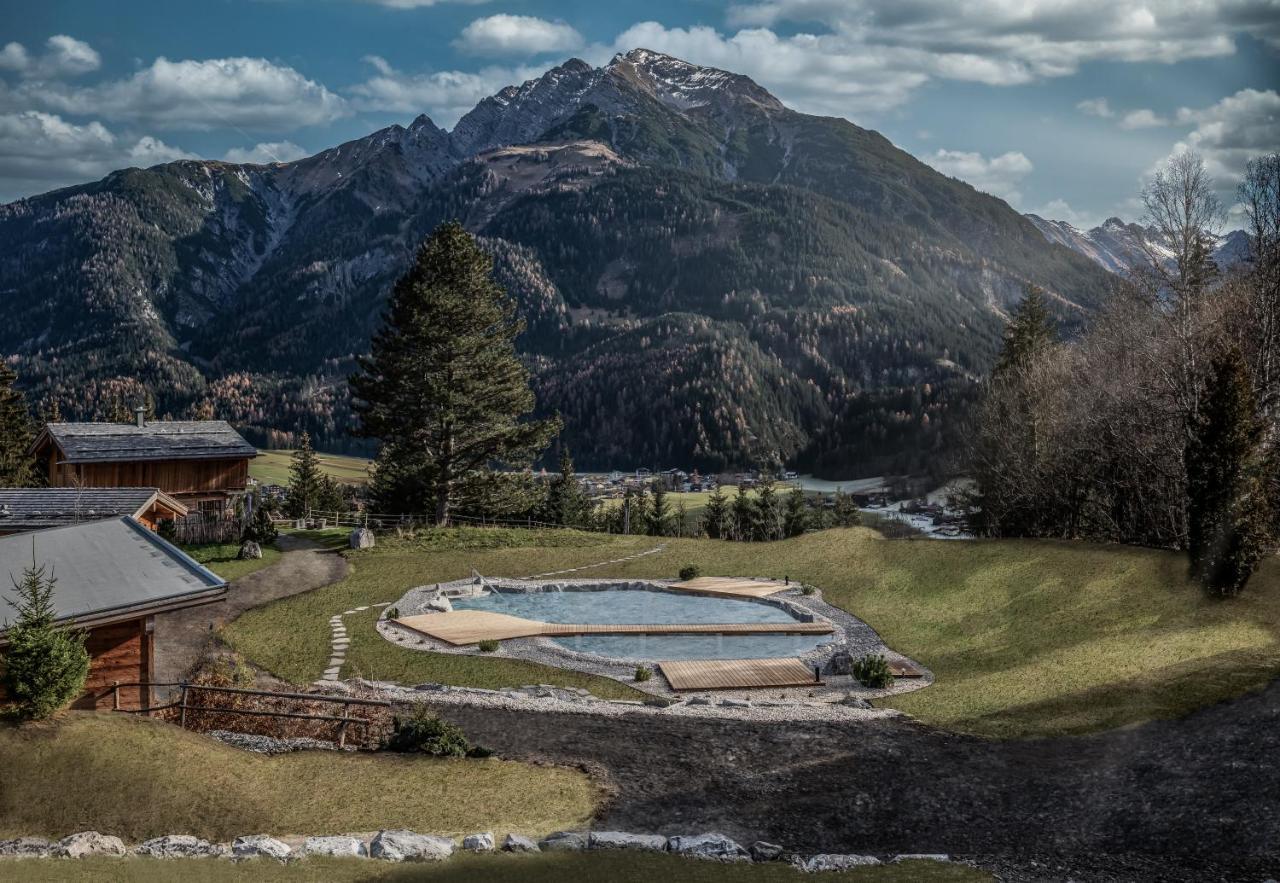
(272, 467)
(1026, 638)
(222, 559)
(139, 778)
(290, 638)
(552, 867)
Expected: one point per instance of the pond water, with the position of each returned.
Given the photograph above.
(642, 606)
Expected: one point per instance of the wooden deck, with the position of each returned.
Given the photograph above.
(737, 674)
(727, 587)
(462, 627)
(900, 669)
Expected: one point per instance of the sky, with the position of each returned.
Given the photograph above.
(1060, 107)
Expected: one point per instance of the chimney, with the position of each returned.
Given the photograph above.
(140, 416)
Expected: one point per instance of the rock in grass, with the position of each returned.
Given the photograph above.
(260, 846)
(180, 846)
(482, 842)
(26, 847)
(831, 862)
(341, 847)
(620, 840)
(361, 538)
(250, 551)
(563, 841)
(709, 846)
(762, 851)
(920, 857)
(519, 843)
(407, 846)
(87, 844)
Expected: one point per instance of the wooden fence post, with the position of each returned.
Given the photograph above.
(342, 727)
(182, 722)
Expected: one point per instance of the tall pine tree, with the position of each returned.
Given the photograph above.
(659, 511)
(566, 504)
(305, 480)
(17, 467)
(795, 517)
(44, 666)
(442, 387)
(715, 516)
(1029, 331)
(1229, 510)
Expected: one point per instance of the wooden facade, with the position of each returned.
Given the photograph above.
(119, 653)
(185, 479)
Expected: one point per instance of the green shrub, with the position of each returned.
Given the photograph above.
(44, 666)
(391, 613)
(488, 646)
(690, 571)
(167, 529)
(643, 673)
(872, 671)
(422, 732)
(808, 589)
(260, 529)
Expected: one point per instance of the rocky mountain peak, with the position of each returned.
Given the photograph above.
(681, 84)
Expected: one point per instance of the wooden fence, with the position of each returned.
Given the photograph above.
(200, 528)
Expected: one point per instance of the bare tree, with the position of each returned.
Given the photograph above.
(1259, 195)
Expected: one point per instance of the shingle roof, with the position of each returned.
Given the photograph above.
(105, 568)
(45, 507)
(159, 440)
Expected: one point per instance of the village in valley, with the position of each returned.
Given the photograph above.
(623, 465)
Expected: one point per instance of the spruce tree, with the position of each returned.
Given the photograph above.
(659, 520)
(1029, 330)
(44, 666)
(742, 515)
(566, 504)
(844, 511)
(795, 518)
(768, 524)
(442, 384)
(305, 480)
(1229, 511)
(17, 466)
(715, 517)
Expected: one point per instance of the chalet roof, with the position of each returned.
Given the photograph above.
(106, 571)
(39, 508)
(156, 440)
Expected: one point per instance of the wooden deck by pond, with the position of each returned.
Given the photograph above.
(737, 674)
(462, 627)
(728, 587)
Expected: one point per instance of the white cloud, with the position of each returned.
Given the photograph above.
(1061, 210)
(266, 152)
(64, 56)
(1142, 119)
(218, 92)
(1231, 132)
(40, 151)
(998, 175)
(518, 35)
(445, 95)
(1096, 107)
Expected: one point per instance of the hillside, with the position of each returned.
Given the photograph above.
(709, 278)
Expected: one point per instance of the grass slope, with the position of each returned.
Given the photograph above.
(272, 467)
(1026, 638)
(139, 778)
(222, 559)
(553, 867)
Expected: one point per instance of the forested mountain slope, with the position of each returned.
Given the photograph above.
(710, 278)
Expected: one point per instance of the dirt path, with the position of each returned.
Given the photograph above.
(184, 636)
(1194, 799)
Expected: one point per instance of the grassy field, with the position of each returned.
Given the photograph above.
(222, 559)
(272, 467)
(140, 778)
(552, 867)
(1026, 638)
(290, 638)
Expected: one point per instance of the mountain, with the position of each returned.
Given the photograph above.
(709, 278)
(1118, 246)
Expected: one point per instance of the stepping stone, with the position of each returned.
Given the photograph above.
(358, 609)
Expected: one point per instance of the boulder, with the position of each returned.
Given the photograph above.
(762, 851)
(26, 847)
(482, 842)
(519, 843)
(440, 605)
(563, 841)
(340, 847)
(841, 663)
(249, 550)
(180, 846)
(620, 840)
(830, 862)
(406, 846)
(87, 844)
(709, 846)
(920, 857)
(260, 846)
(361, 538)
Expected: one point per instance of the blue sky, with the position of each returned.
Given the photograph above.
(1058, 106)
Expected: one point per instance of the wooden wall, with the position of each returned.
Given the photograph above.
(176, 477)
(119, 652)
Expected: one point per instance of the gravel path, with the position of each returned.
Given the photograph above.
(183, 637)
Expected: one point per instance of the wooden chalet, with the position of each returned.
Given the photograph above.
(27, 509)
(113, 577)
(204, 464)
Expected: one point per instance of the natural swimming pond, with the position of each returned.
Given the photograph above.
(642, 606)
